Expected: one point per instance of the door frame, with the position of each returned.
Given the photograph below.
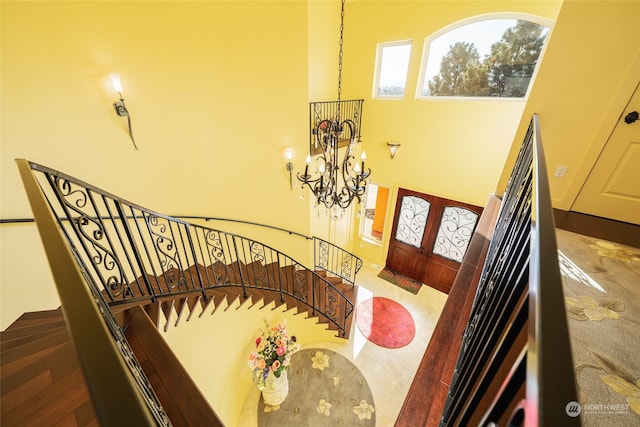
(426, 267)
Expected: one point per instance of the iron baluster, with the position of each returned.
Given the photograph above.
(151, 266)
(122, 281)
(122, 242)
(134, 249)
(159, 252)
(196, 266)
(242, 279)
(62, 189)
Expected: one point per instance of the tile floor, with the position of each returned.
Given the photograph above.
(389, 372)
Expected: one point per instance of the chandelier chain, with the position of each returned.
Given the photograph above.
(335, 183)
(340, 55)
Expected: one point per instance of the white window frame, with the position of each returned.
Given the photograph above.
(479, 18)
(378, 69)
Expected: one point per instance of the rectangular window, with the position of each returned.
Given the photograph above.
(391, 69)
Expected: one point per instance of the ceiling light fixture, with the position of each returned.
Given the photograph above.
(334, 125)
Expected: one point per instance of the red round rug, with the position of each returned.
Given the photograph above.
(385, 322)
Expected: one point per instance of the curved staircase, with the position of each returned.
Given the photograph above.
(110, 257)
(41, 379)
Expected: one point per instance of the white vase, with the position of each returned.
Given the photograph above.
(275, 389)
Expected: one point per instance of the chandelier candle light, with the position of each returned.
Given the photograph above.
(337, 183)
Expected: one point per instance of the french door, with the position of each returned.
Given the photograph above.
(429, 238)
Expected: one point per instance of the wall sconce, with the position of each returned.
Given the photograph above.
(393, 147)
(288, 153)
(120, 107)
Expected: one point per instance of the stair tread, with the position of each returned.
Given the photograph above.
(51, 404)
(58, 363)
(35, 346)
(21, 331)
(26, 391)
(42, 314)
(22, 340)
(36, 318)
(8, 368)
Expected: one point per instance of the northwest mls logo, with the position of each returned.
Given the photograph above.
(573, 409)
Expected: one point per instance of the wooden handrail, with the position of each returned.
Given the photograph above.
(514, 360)
(551, 382)
(426, 397)
(182, 399)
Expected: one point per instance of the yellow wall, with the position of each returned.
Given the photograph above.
(589, 72)
(450, 148)
(218, 364)
(216, 91)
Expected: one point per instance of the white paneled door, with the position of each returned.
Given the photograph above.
(612, 189)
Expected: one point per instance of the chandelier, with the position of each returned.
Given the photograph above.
(336, 125)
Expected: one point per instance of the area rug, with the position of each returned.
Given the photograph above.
(404, 282)
(602, 297)
(325, 389)
(385, 322)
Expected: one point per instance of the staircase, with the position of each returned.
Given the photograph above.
(41, 379)
(109, 257)
(258, 283)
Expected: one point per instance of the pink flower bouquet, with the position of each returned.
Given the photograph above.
(274, 347)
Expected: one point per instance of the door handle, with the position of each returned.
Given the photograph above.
(631, 117)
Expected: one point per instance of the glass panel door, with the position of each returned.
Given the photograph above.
(412, 220)
(454, 234)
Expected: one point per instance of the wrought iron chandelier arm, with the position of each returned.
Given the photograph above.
(318, 186)
(323, 134)
(355, 177)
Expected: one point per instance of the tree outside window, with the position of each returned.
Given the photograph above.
(504, 71)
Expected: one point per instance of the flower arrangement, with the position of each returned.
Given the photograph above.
(274, 347)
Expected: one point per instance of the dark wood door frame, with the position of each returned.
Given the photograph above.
(419, 262)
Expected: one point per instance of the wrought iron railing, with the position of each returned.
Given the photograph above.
(515, 364)
(335, 260)
(329, 110)
(134, 254)
(120, 390)
(327, 256)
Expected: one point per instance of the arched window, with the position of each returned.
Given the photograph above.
(492, 57)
